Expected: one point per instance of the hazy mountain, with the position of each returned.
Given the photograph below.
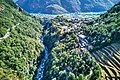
(63, 6)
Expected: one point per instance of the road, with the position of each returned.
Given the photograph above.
(8, 33)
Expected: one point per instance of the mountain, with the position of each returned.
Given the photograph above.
(19, 42)
(65, 6)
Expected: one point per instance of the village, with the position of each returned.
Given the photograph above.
(77, 25)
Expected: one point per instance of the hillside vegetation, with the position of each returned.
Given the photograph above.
(19, 42)
(106, 31)
(108, 57)
(105, 37)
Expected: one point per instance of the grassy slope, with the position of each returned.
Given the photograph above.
(18, 52)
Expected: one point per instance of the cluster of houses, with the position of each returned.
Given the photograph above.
(77, 25)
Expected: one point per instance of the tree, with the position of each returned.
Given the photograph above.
(81, 77)
(3, 31)
(71, 76)
(62, 75)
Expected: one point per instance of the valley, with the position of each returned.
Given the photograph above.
(64, 29)
(65, 46)
(61, 26)
(76, 37)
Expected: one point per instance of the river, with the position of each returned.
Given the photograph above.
(40, 69)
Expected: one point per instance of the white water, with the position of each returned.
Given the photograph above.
(40, 69)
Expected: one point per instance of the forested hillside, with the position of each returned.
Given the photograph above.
(19, 42)
(107, 48)
(106, 30)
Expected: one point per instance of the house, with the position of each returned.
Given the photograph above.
(74, 25)
(83, 49)
(96, 24)
(58, 24)
(64, 29)
(82, 36)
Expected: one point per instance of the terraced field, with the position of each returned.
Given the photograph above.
(109, 60)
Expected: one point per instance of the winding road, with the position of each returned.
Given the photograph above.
(8, 33)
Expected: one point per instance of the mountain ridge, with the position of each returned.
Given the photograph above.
(65, 6)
